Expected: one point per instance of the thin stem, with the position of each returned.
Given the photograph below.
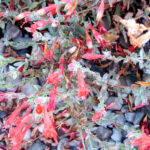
(83, 142)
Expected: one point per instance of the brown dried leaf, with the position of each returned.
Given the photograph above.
(84, 120)
(143, 84)
(110, 37)
(134, 29)
(35, 131)
(140, 40)
(147, 22)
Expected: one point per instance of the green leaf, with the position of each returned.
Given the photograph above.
(33, 5)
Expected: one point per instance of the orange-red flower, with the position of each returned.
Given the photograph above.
(18, 131)
(48, 54)
(92, 56)
(39, 109)
(61, 66)
(51, 8)
(98, 36)
(88, 39)
(101, 29)
(70, 6)
(53, 77)
(20, 69)
(143, 142)
(49, 130)
(83, 91)
(13, 117)
(22, 15)
(38, 25)
(100, 11)
(2, 14)
(131, 48)
(99, 114)
(12, 5)
(52, 98)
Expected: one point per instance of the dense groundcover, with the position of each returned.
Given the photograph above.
(74, 74)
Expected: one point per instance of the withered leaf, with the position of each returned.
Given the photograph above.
(143, 84)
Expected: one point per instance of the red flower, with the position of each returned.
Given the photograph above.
(88, 39)
(49, 130)
(20, 69)
(13, 117)
(20, 131)
(38, 25)
(39, 63)
(48, 54)
(39, 109)
(70, 6)
(140, 106)
(101, 29)
(98, 115)
(12, 5)
(2, 14)
(51, 9)
(22, 15)
(120, 49)
(143, 142)
(61, 65)
(98, 36)
(83, 91)
(131, 48)
(100, 11)
(92, 56)
(53, 77)
(52, 98)
(78, 42)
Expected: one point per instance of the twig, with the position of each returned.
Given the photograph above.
(81, 134)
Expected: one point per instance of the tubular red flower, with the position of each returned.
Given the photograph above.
(97, 115)
(38, 25)
(98, 36)
(52, 98)
(92, 56)
(20, 131)
(101, 29)
(53, 77)
(20, 69)
(22, 15)
(83, 91)
(48, 54)
(49, 130)
(13, 117)
(39, 109)
(51, 9)
(100, 11)
(12, 5)
(143, 142)
(61, 66)
(88, 39)
(70, 6)
(2, 14)
(131, 48)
